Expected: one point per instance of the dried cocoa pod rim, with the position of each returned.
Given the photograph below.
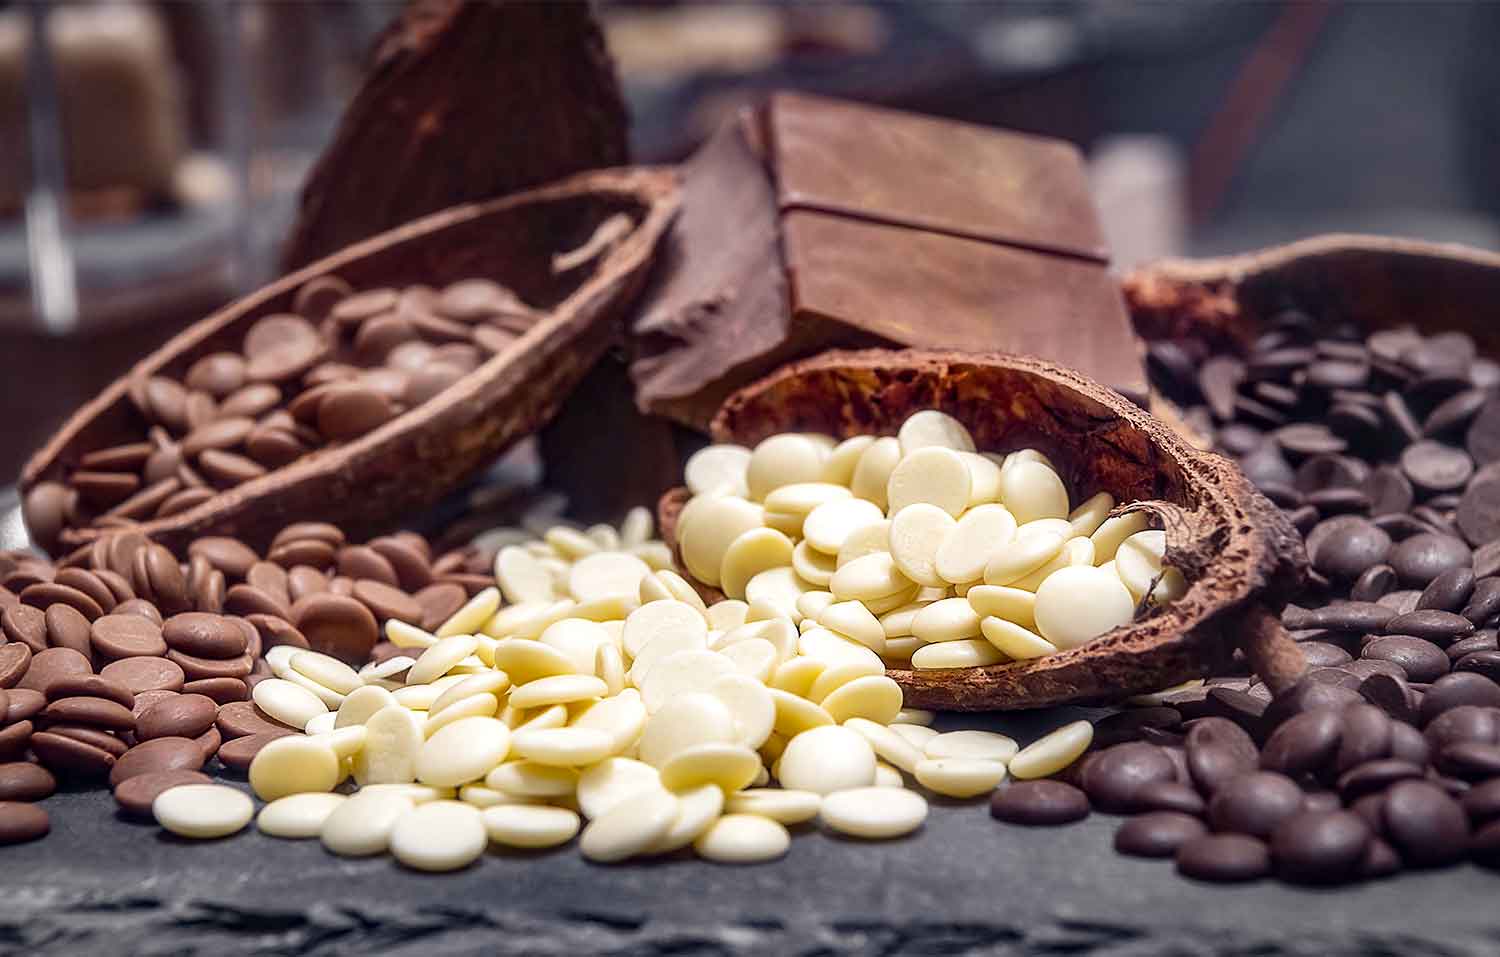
(1380, 281)
(1237, 550)
(413, 460)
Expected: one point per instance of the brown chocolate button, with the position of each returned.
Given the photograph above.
(220, 690)
(96, 737)
(275, 630)
(148, 699)
(228, 555)
(195, 668)
(141, 608)
(183, 716)
(26, 625)
(273, 448)
(309, 551)
(356, 307)
(239, 752)
(242, 718)
(221, 434)
(94, 686)
(168, 584)
(337, 625)
(104, 489)
(248, 600)
(145, 674)
(135, 794)
(188, 498)
(45, 594)
(53, 663)
(431, 380)
(270, 578)
(158, 754)
(439, 602)
(14, 739)
(22, 703)
(67, 628)
(69, 756)
(15, 658)
(208, 592)
(21, 822)
(94, 712)
(208, 743)
(362, 561)
(252, 400)
(304, 580)
(317, 297)
(229, 468)
(349, 411)
(90, 584)
(204, 635)
(386, 602)
(218, 374)
(24, 781)
(279, 347)
(412, 567)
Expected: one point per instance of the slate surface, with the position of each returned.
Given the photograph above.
(963, 885)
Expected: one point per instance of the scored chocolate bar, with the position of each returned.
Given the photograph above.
(815, 223)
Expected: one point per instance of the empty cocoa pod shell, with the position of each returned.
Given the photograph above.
(1236, 549)
(1380, 281)
(412, 460)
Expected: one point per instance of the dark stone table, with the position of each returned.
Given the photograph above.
(963, 885)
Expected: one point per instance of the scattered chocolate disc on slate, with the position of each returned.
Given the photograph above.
(135, 794)
(1157, 833)
(1320, 847)
(1224, 858)
(1042, 802)
(20, 822)
(1254, 803)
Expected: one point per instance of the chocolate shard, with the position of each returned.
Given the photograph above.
(716, 316)
(818, 224)
(463, 101)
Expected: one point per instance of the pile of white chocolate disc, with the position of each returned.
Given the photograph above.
(920, 548)
(592, 689)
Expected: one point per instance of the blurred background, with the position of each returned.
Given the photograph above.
(151, 153)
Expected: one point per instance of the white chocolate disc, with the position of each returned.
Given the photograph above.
(800, 498)
(827, 759)
(1086, 518)
(951, 619)
(984, 478)
(872, 576)
(706, 535)
(959, 777)
(688, 719)
(934, 475)
(659, 617)
(975, 538)
(718, 468)
(1115, 530)
(873, 473)
(830, 524)
(812, 566)
(853, 620)
(1139, 560)
(780, 588)
(1075, 552)
(873, 697)
(968, 653)
(1076, 605)
(604, 785)
(930, 427)
(742, 839)
(874, 813)
(1053, 752)
(751, 553)
(610, 574)
(917, 533)
(782, 460)
(1021, 557)
(866, 540)
(839, 467)
(1032, 490)
(1002, 601)
(1015, 642)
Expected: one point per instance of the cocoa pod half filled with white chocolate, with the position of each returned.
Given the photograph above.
(1234, 550)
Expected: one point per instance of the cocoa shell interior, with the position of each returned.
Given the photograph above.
(413, 460)
(1234, 547)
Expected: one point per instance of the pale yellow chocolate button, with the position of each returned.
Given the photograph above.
(1053, 752)
(1076, 605)
(783, 460)
(1017, 643)
(1021, 557)
(1115, 530)
(866, 540)
(718, 468)
(841, 462)
(935, 475)
(930, 427)
(1003, 601)
(751, 553)
(873, 473)
(968, 653)
(917, 533)
(978, 536)
(948, 620)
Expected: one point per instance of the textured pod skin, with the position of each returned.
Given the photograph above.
(413, 460)
(1235, 548)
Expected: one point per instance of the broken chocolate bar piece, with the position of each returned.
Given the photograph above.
(835, 224)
